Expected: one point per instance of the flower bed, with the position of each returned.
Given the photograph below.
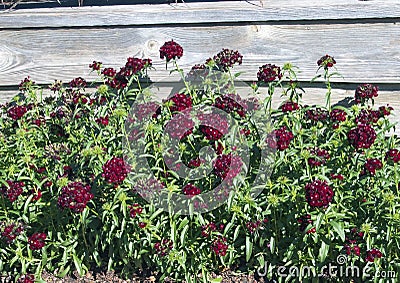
(203, 180)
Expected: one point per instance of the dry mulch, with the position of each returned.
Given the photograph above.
(100, 277)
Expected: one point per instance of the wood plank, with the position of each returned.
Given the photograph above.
(312, 96)
(234, 12)
(63, 54)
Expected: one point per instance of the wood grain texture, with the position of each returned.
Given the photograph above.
(364, 52)
(224, 12)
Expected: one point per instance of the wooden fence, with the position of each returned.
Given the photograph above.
(59, 43)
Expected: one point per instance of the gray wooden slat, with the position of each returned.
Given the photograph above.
(201, 13)
(312, 96)
(364, 52)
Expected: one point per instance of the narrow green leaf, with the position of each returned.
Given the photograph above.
(183, 234)
(323, 251)
(339, 228)
(77, 264)
(249, 248)
(319, 220)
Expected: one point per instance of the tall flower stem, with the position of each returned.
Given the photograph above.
(329, 89)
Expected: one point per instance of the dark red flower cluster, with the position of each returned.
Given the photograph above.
(337, 177)
(207, 230)
(226, 58)
(319, 157)
(349, 249)
(114, 79)
(134, 210)
(98, 100)
(134, 66)
(145, 110)
(78, 83)
(196, 162)
(36, 241)
(197, 72)
(218, 147)
(58, 113)
(317, 114)
(16, 112)
(102, 121)
(217, 121)
(37, 194)
(337, 115)
(79, 98)
(180, 102)
(180, 128)
(393, 155)
(115, 170)
(304, 221)
(95, 66)
(56, 86)
(171, 50)
(27, 278)
(11, 231)
(191, 190)
(365, 92)
(352, 241)
(385, 110)
(372, 165)
(109, 72)
(280, 138)
(318, 193)
(363, 136)
(38, 122)
(289, 106)
(227, 166)
(368, 116)
(75, 196)
(326, 61)
(163, 247)
(231, 103)
(26, 83)
(13, 190)
(372, 255)
(219, 246)
(268, 73)
(253, 226)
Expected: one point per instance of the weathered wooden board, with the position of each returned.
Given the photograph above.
(200, 13)
(364, 52)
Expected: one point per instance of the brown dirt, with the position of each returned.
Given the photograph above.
(103, 277)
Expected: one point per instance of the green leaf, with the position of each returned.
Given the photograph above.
(323, 251)
(249, 248)
(65, 271)
(155, 214)
(216, 280)
(183, 223)
(183, 235)
(78, 264)
(339, 228)
(236, 234)
(272, 244)
(319, 220)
